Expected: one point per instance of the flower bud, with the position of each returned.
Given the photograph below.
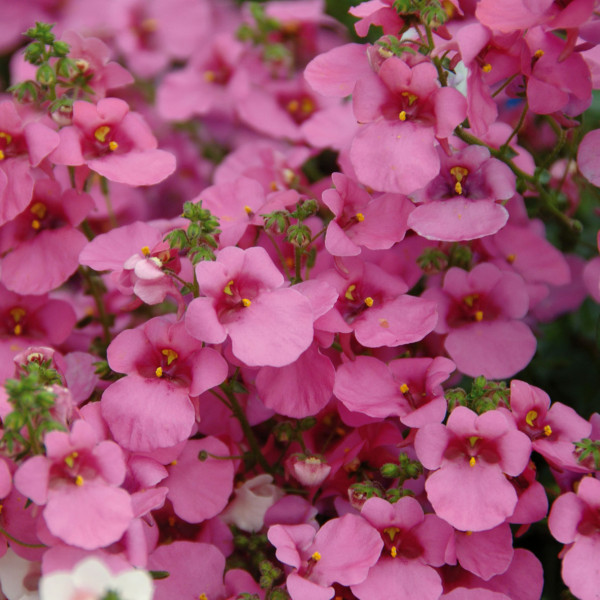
(310, 471)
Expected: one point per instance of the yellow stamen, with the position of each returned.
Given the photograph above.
(348, 295)
(173, 463)
(293, 106)
(246, 302)
(486, 68)
(411, 97)
(112, 146)
(391, 532)
(316, 556)
(538, 53)
(360, 217)
(307, 105)
(70, 459)
(473, 440)
(159, 372)
(39, 210)
(149, 25)
(2, 157)
(79, 480)
(146, 251)
(203, 596)
(227, 288)
(18, 330)
(369, 301)
(393, 552)
(248, 210)
(472, 461)
(510, 259)
(469, 300)
(479, 315)
(402, 115)
(468, 533)
(170, 354)
(531, 417)
(209, 76)
(404, 388)
(1, 507)
(273, 185)
(458, 188)
(35, 224)
(17, 313)
(101, 133)
(459, 173)
(547, 430)
(6, 136)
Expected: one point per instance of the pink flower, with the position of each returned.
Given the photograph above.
(470, 457)
(574, 520)
(461, 202)
(151, 407)
(114, 143)
(244, 300)
(342, 551)
(480, 312)
(414, 543)
(78, 482)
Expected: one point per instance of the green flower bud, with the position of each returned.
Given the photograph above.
(45, 75)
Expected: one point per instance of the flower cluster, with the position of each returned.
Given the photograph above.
(282, 356)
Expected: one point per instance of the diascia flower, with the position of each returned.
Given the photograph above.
(244, 300)
(470, 457)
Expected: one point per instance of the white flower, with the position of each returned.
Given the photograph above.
(91, 580)
(252, 500)
(19, 577)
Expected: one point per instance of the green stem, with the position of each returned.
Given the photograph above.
(109, 208)
(516, 129)
(505, 84)
(98, 301)
(19, 542)
(297, 265)
(239, 414)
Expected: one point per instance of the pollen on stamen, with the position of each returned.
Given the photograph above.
(479, 315)
(112, 146)
(146, 251)
(246, 302)
(404, 388)
(472, 461)
(348, 295)
(35, 224)
(531, 417)
(538, 53)
(6, 136)
(458, 188)
(79, 480)
(209, 76)
(402, 115)
(2, 157)
(369, 301)
(248, 210)
(170, 355)
(227, 288)
(293, 106)
(547, 430)
(510, 259)
(203, 596)
(101, 133)
(468, 532)
(359, 217)
(486, 68)
(393, 552)
(159, 372)
(316, 556)
(18, 330)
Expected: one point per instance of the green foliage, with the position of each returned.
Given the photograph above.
(199, 240)
(484, 395)
(32, 400)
